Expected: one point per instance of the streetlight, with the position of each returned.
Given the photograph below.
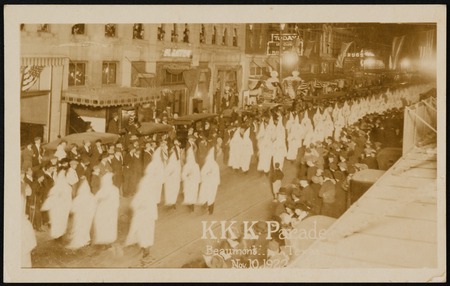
(282, 25)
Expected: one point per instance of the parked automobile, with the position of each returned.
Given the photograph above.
(196, 121)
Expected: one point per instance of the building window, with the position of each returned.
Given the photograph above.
(174, 34)
(186, 34)
(77, 73)
(257, 71)
(203, 35)
(161, 32)
(235, 38)
(138, 31)
(171, 78)
(44, 28)
(78, 29)
(214, 36)
(109, 73)
(225, 37)
(110, 30)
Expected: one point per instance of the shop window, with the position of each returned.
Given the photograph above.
(225, 37)
(45, 28)
(161, 32)
(186, 34)
(77, 73)
(171, 78)
(22, 27)
(138, 31)
(78, 29)
(174, 34)
(235, 38)
(109, 72)
(214, 36)
(203, 35)
(110, 30)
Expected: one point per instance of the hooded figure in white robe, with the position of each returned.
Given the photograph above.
(246, 151)
(308, 129)
(279, 146)
(155, 173)
(235, 150)
(294, 139)
(190, 176)
(107, 213)
(210, 180)
(58, 205)
(172, 180)
(260, 134)
(83, 209)
(145, 214)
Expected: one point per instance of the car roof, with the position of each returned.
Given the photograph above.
(187, 119)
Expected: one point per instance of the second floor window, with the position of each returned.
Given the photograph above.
(138, 31)
(109, 72)
(235, 38)
(214, 36)
(225, 37)
(77, 73)
(44, 28)
(203, 35)
(186, 34)
(110, 30)
(161, 33)
(78, 29)
(171, 78)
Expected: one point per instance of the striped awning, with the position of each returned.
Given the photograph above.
(115, 96)
(43, 61)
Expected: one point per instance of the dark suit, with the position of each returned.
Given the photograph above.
(117, 167)
(86, 154)
(37, 151)
(113, 126)
(85, 171)
(96, 156)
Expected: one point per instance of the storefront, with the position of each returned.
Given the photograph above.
(95, 107)
(41, 112)
(227, 83)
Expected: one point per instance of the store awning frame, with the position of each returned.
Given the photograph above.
(44, 60)
(118, 96)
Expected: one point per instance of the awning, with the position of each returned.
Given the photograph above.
(43, 61)
(228, 67)
(117, 96)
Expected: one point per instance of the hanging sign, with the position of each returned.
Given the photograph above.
(177, 53)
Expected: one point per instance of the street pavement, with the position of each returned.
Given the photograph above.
(240, 197)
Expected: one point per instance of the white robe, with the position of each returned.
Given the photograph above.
(58, 205)
(107, 213)
(210, 175)
(28, 239)
(294, 140)
(145, 213)
(154, 174)
(235, 150)
(172, 180)
(279, 146)
(83, 209)
(191, 180)
(246, 151)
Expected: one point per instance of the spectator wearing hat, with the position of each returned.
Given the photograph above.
(37, 189)
(84, 170)
(328, 194)
(73, 153)
(147, 154)
(97, 153)
(310, 197)
(95, 180)
(86, 151)
(277, 176)
(117, 169)
(104, 165)
(38, 152)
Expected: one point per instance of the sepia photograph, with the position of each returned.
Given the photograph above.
(291, 143)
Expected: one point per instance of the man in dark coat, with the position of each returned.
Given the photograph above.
(97, 153)
(113, 125)
(84, 169)
(86, 151)
(117, 168)
(38, 152)
(310, 196)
